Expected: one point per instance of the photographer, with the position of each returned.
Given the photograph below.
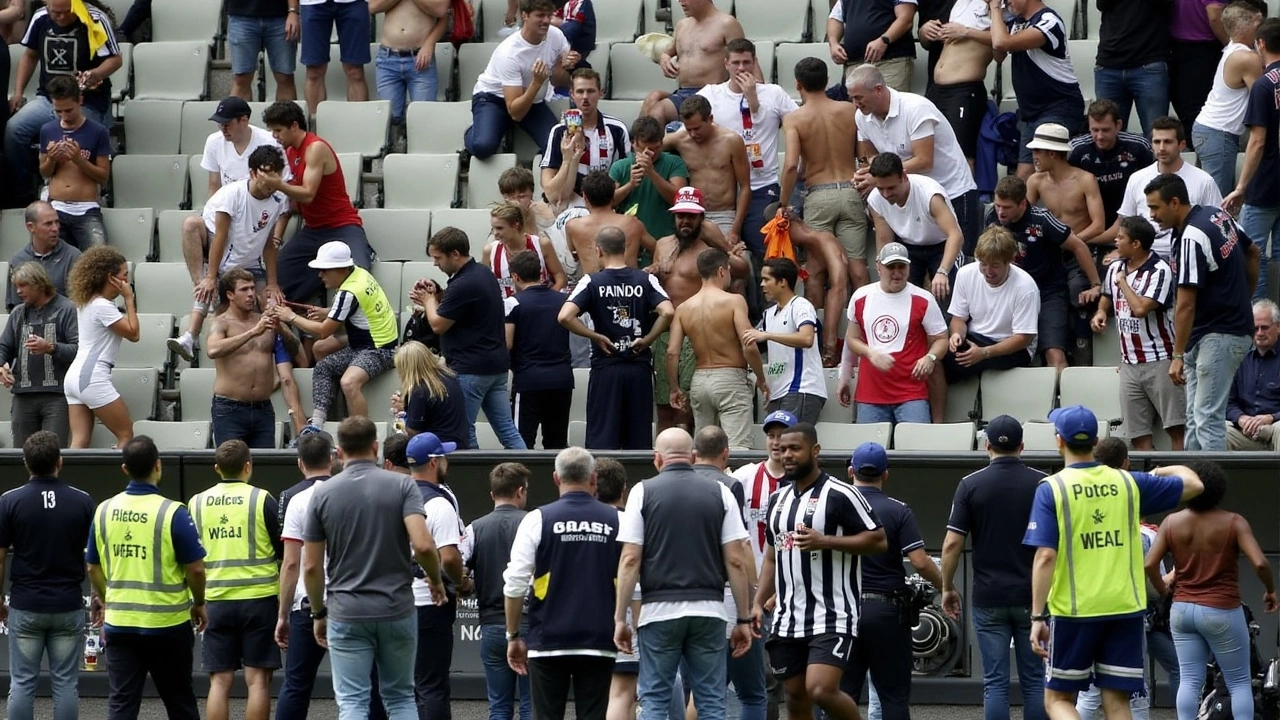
(883, 646)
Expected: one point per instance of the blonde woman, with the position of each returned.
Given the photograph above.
(96, 280)
(507, 223)
(430, 395)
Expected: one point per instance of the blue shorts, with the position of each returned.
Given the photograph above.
(247, 36)
(1028, 132)
(1109, 652)
(682, 94)
(352, 19)
(280, 352)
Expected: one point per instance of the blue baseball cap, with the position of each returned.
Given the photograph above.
(1004, 433)
(424, 446)
(870, 460)
(1076, 424)
(779, 416)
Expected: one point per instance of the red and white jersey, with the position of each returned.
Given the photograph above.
(898, 324)
(499, 260)
(1143, 339)
(757, 486)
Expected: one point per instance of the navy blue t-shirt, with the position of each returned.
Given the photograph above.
(540, 358)
(1113, 167)
(446, 417)
(1209, 255)
(992, 506)
(883, 573)
(65, 51)
(621, 303)
(1263, 110)
(45, 524)
(476, 344)
(93, 138)
(1040, 238)
(1043, 78)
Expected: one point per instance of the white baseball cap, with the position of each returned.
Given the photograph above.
(333, 254)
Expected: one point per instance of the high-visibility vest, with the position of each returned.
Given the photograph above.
(241, 564)
(146, 587)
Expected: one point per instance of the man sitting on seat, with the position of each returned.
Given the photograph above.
(1254, 402)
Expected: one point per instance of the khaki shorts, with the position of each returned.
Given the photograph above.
(662, 388)
(1145, 392)
(722, 219)
(841, 212)
(897, 72)
(722, 396)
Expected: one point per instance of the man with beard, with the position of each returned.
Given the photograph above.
(675, 264)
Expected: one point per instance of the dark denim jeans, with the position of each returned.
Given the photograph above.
(995, 628)
(501, 682)
(490, 122)
(252, 422)
(82, 231)
(1146, 85)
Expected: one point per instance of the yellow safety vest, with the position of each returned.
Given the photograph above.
(384, 328)
(146, 587)
(1099, 568)
(241, 563)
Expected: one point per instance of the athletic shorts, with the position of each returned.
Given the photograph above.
(789, 657)
(682, 94)
(841, 212)
(661, 385)
(241, 633)
(963, 105)
(93, 388)
(1053, 325)
(1027, 130)
(1109, 652)
(1145, 393)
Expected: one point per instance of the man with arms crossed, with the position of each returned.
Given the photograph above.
(790, 330)
(598, 192)
(406, 67)
(75, 158)
(716, 322)
(718, 166)
(700, 41)
(959, 88)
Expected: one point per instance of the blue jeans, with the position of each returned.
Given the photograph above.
(1146, 85)
(913, 411)
(1209, 368)
(489, 393)
(23, 130)
(1160, 648)
(354, 648)
(252, 422)
(995, 628)
(248, 36)
(501, 682)
(31, 635)
(1216, 150)
(401, 83)
(490, 122)
(1262, 225)
(699, 642)
(82, 231)
(1200, 632)
(747, 675)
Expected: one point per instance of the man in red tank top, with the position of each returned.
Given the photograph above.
(319, 192)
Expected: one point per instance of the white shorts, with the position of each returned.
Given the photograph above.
(91, 388)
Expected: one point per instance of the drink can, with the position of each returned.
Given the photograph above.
(573, 120)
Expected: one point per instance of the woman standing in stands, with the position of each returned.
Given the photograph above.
(507, 223)
(1207, 618)
(430, 396)
(97, 279)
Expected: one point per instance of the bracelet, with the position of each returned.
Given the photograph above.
(1176, 356)
(1042, 617)
(294, 11)
(745, 621)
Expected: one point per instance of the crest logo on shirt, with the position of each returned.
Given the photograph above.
(263, 220)
(61, 54)
(885, 328)
(1227, 226)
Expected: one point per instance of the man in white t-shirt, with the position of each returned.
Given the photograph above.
(513, 88)
(794, 367)
(236, 233)
(995, 311)
(899, 330)
(913, 210)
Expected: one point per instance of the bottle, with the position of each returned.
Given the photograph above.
(92, 645)
(399, 423)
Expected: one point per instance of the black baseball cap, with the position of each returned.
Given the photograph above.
(1004, 433)
(229, 109)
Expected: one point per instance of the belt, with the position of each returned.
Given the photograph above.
(829, 186)
(878, 597)
(398, 53)
(240, 403)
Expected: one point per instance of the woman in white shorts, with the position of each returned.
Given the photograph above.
(96, 280)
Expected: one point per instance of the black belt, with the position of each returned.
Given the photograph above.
(241, 403)
(398, 53)
(879, 597)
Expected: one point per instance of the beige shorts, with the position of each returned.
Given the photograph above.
(841, 212)
(723, 219)
(722, 396)
(1145, 392)
(897, 72)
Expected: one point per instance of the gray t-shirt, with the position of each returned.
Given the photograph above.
(359, 513)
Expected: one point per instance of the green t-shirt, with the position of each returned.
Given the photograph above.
(651, 209)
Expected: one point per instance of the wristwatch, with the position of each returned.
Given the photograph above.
(1042, 617)
(513, 636)
(932, 357)
(885, 39)
(320, 614)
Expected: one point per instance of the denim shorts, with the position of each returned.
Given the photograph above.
(352, 20)
(247, 36)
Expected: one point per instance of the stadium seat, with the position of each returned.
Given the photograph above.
(6, 434)
(446, 57)
(490, 16)
(472, 59)
(195, 393)
(770, 20)
(832, 411)
(419, 181)
(1097, 388)
(199, 178)
(170, 71)
(102, 438)
(486, 438)
(121, 81)
(150, 350)
(845, 437)
(13, 232)
(961, 400)
(1084, 55)
(399, 235)
(786, 55)
(578, 432)
(138, 388)
(943, 437)
(482, 182)
(352, 165)
(619, 21)
(163, 287)
(152, 127)
(1039, 436)
(412, 272)
(170, 435)
(301, 378)
(1022, 393)
(436, 127)
(578, 404)
(1093, 20)
(355, 127)
(1106, 346)
(158, 182)
(765, 56)
(1067, 9)
(634, 75)
(383, 429)
(169, 232)
(16, 51)
(378, 392)
(625, 110)
(388, 275)
(129, 230)
(185, 20)
(475, 223)
(196, 126)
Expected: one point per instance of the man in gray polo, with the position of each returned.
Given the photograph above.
(46, 248)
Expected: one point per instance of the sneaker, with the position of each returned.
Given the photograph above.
(308, 429)
(183, 346)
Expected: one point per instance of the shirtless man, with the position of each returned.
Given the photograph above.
(75, 157)
(959, 86)
(245, 346)
(1069, 193)
(718, 166)
(675, 264)
(597, 192)
(701, 38)
(406, 63)
(720, 393)
(822, 133)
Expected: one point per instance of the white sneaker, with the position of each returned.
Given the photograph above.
(183, 346)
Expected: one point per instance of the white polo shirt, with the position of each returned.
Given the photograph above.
(912, 117)
(913, 221)
(511, 64)
(1201, 190)
(759, 130)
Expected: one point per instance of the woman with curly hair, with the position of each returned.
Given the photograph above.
(430, 395)
(96, 280)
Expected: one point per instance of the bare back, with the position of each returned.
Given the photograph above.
(700, 47)
(581, 233)
(249, 373)
(827, 133)
(708, 320)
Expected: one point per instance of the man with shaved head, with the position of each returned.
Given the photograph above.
(685, 530)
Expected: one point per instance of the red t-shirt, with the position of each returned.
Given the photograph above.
(898, 324)
(331, 207)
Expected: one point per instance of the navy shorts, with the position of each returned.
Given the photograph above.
(240, 631)
(1054, 322)
(681, 94)
(620, 407)
(1110, 653)
(352, 20)
(1028, 131)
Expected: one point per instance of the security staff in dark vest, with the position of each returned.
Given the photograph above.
(884, 625)
(567, 554)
